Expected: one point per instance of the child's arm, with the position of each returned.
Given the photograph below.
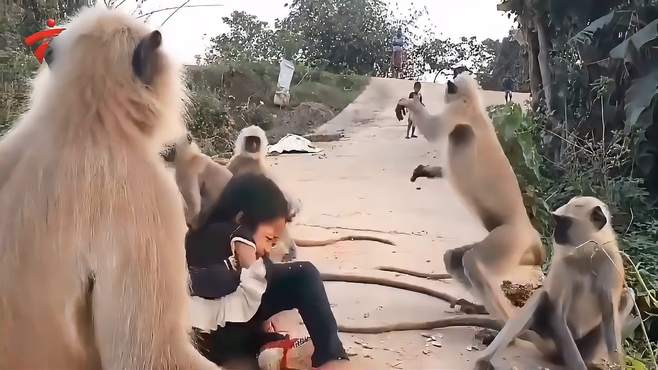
(245, 254)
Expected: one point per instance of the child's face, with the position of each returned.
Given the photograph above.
(267, 235)
(417, 88)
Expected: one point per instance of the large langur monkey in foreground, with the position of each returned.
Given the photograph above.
(92, 263)
(200, 180)
(249, 157)
(481, 173)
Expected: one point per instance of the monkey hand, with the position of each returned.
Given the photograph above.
(483, 364)
(426, 171)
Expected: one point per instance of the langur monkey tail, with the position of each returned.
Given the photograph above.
(322, 243)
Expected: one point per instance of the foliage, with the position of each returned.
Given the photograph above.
(244, 42)
(519, 137)
(227, 97)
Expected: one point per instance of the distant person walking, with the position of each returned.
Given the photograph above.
(508, 86)
(411, 128)
(398, 48)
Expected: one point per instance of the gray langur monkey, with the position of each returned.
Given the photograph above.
(249, 151)
(480, 172)
(582, 304)
(200, 180)
(249, 157)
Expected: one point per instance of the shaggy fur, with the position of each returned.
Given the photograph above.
(200, 180)
(92, 260)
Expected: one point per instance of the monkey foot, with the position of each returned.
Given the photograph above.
(470, 308)
(486, 336)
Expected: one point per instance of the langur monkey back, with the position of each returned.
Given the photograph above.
(200, 180)
(92, 264)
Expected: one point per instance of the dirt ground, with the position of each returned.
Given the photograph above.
(361, 184)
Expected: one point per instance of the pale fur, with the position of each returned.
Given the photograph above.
(252, 130)
(480, 172)
(580, 272)
(92, 260)
(200, 180)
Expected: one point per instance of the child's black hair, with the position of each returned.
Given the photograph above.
(417, 84)
(256, 196)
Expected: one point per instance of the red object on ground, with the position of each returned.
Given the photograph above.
(46, 35)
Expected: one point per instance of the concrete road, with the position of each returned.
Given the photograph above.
(361, 185)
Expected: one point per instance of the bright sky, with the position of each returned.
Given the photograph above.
(188, 32)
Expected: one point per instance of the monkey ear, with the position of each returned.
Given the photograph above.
(452, 88)
(598, 218)
(145, 57)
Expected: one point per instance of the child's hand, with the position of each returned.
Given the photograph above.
(246, 254)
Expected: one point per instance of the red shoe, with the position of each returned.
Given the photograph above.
(286, 354)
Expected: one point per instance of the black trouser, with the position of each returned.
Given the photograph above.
(508, 95)
(289, 285)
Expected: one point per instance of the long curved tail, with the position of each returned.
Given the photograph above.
(482, 321)
(322, 243)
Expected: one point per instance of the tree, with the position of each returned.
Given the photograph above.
(350, 35)
(248, 39)
(508, 60)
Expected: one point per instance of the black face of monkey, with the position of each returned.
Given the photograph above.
(562, 226)
(573, 231)
(252, 144)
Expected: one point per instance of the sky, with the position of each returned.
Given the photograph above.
(187, 33)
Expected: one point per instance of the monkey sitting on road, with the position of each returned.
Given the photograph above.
(249, 157)
(482, 175)
(249, 152)
(582, 302)
(200, 180)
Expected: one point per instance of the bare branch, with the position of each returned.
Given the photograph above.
(148, 14)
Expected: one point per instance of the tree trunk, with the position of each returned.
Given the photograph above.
(544, 65)
(533, 64)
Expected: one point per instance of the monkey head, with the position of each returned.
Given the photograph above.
(581, 220)
(113, 64)
(251, 142)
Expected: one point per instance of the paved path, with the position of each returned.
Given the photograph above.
(361, 184)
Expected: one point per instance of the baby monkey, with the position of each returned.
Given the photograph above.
(583, 303)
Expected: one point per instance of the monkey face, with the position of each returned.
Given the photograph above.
(252, 144)
(579, 221)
